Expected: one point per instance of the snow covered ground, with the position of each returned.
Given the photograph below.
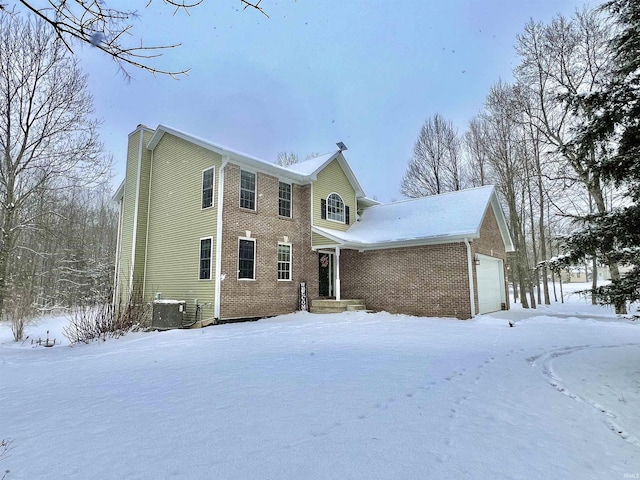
(344, 396)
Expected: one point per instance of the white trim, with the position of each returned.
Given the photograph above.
(135, 213)
(290, 262)
(255, 259)
(311, 202)
(213, 188)
(210, 258)
(116, 276)
(363, 247)
(472, 295)
(344, 209)
(290, 198)
(255, 190)
(218, 277)
(337, 274)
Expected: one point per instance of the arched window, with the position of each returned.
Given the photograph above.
(335, 208)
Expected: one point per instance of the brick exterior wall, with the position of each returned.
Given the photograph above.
(265, 296)
(429, 280)
(423, 281)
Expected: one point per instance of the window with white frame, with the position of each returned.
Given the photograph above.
(247, 190)
(335, 208)
(284, 200)
(284, 261)
(246, 258)
(207, 187)
(205, 258)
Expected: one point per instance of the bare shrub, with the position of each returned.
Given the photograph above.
(19, 311)
(102, 321)
(4, 448)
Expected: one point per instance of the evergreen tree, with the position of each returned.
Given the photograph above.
(611, 139)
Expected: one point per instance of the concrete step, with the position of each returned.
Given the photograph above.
(353, 308)
(327, 309)
(320, 302)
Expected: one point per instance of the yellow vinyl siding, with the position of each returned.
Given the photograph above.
(128, 206)
(177, 222)
(317, 239)
(333, 179)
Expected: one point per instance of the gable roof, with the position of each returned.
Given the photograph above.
(302, 172)
(313, 166)
(442, 218)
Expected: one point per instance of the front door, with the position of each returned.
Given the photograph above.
(325, 269)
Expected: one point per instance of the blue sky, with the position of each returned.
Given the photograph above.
(367, 73)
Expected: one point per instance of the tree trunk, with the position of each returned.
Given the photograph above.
(594, 280)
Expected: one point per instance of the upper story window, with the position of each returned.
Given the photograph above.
(207, 187)
(284, 200)
(247, 190)
(335, 208)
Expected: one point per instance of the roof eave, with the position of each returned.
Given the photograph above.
(119, 193)
(254, 163)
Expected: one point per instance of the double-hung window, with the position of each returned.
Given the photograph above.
(284, 200)
(205, 258)
(247, 190)
(247, 258)
(284, 261)
(207, 188)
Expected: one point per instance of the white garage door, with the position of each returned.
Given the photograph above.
(489, 275)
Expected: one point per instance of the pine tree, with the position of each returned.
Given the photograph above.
(611, 138)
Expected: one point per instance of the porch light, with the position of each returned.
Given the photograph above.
(476, 259)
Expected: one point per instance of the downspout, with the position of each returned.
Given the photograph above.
(472, 295)
(218, 274)
(135, 213)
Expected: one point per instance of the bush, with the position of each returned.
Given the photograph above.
(99, 322)
(19, 311)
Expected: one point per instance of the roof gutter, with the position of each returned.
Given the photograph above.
(472, 295)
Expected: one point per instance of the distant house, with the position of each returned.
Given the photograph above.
(235, 236)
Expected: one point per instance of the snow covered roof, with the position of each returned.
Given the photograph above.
(313, 165)
(302, 172)
(428, 220)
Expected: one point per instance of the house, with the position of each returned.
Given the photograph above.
(234, 237)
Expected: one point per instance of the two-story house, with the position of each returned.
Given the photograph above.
(236, 236)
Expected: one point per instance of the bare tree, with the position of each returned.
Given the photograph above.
(436, 165)
(504, 149)
(48, 139)
(286, 158)
(559, 61)
(108, 29)
(478, 171)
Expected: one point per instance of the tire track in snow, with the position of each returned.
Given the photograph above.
(544, 362)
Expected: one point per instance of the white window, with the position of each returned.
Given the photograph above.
(247, 190)
(335, 208)
(284, 199)
(207, 187)
(246, 258)
(205, 258)
(284, 261)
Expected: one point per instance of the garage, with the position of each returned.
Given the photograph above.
(490, 279)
